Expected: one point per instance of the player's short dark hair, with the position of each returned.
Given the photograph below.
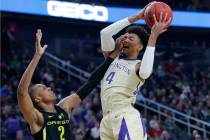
(140, 32)
(31, 91)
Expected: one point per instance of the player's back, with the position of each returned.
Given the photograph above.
(119, 84)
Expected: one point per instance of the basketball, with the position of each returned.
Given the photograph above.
(156, 8)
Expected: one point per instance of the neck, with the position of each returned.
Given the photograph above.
(48, 107)
(131, 57)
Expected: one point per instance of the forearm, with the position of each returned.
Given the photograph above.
(148, 58)
(107, 41)
(152, 40)
(27, 76)
(94, 79)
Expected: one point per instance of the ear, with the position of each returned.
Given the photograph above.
(37, 99)
(140, 47)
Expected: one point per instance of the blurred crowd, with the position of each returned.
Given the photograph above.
(187, 5)
(184, 87)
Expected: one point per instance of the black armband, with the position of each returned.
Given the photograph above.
(94, 79)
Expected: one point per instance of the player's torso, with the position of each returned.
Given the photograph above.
(119, 83)
(56, 126)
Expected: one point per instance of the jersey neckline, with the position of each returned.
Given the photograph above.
(122, 57)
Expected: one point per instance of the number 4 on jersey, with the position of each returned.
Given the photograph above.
(110, 77)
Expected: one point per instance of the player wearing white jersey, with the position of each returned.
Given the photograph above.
(121, 121)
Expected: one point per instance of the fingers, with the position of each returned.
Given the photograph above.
(161, 19)
(165, 19)
(153, 27)
(161, 16)
(39, 35)
(119, 42)
(122, 37)
(168, 21)
(45, 46)
(39, 32)
(164, 30)
(155, 19)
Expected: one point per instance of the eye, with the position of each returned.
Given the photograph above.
(131, 38)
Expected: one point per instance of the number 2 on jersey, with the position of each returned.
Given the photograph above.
(110, 77)
(61, 129)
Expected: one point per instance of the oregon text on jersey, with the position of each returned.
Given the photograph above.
(58, 122)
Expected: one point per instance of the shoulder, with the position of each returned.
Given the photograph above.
(61, 109)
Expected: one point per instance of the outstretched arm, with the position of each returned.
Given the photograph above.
(158, 28)
(73, 100)
(69, 102)
(106, 34)
(25, 103)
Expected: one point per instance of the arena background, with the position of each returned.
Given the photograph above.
(175, 101)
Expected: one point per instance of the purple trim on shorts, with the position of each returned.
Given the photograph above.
(124, 131)
(143, 125)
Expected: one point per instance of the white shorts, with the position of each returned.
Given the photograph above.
(123, 124)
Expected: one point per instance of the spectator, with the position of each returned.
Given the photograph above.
(166, 136)
(95, 132)
(155, 131)
(12, 128)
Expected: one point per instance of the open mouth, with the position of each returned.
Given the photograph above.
(125, 47)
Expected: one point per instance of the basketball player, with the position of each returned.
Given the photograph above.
(47, 120)
(121, 121)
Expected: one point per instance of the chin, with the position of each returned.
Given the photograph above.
(125, 54)
(54, 98)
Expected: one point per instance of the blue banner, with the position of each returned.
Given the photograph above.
(95, 12)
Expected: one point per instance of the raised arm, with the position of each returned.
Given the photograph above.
(24, 101)
(106, 34)
(73, 100)
(158, 28)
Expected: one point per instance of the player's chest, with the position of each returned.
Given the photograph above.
(122, 68)
(58, 119)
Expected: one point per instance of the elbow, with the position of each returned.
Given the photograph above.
(145, 74)
(77, 100)
(104, 33)
(20, 88)
(20, 91)
(107, 42)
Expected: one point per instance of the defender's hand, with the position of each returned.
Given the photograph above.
(160, 26)
(118, 47)
(39, 49)
(119, 43)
